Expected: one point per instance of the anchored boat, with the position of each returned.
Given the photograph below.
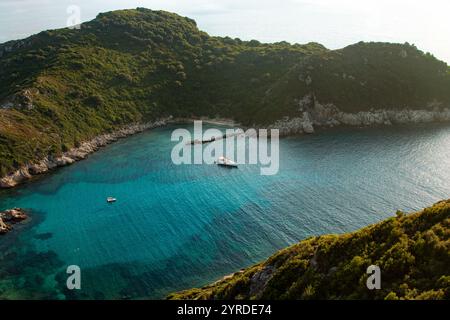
(111, 200)
(225, 162)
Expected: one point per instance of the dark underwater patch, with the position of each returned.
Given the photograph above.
(43, 236)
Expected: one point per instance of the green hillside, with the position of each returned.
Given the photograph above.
(412, 251)
(61, 87)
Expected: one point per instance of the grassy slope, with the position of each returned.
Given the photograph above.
(138, 65)
(413, 252)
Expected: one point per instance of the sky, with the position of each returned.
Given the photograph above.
(333, 23)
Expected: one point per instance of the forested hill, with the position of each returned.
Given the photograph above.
(412, 252)
(61, 87)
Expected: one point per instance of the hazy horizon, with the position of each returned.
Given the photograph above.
(331, 23)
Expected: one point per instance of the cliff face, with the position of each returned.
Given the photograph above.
(412, 252)
(61, 88)
(311, 115)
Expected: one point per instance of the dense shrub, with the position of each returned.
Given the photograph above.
(334, 267)
(129, 65)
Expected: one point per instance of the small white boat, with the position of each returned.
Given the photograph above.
(111, 200)
(222, 161)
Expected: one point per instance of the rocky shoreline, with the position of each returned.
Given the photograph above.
(313, 114)
(51, 162)
(10, 217)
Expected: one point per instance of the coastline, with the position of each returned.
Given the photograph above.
(323, 116)
(221, 122)
(28, 171)
(314, 114)
(50, 163)
(25, 234)
(320, 255)
(216, 121)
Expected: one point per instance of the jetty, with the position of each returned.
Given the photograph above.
(212, 139)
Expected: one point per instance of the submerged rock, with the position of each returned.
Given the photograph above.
(10, 217)
(16, 214)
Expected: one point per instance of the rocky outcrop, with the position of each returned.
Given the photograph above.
(314, 114)
(4, 228)
(10, 217)
(259, 280)
(75, 154)
(21, 100)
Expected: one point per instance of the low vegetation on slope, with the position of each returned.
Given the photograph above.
(412, 251)
(61, 87)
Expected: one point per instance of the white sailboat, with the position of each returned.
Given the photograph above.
(222, 161)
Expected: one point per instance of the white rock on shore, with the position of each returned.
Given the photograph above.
(328, 115)
(311, 114)
(75, 154)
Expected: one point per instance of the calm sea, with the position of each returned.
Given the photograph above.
(175, 227)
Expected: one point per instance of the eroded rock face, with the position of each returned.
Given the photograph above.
(314, 114)
(15, 178)
(75, 154)
(10, 217)
(40, 167)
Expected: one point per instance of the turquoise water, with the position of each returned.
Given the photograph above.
(175, 227)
